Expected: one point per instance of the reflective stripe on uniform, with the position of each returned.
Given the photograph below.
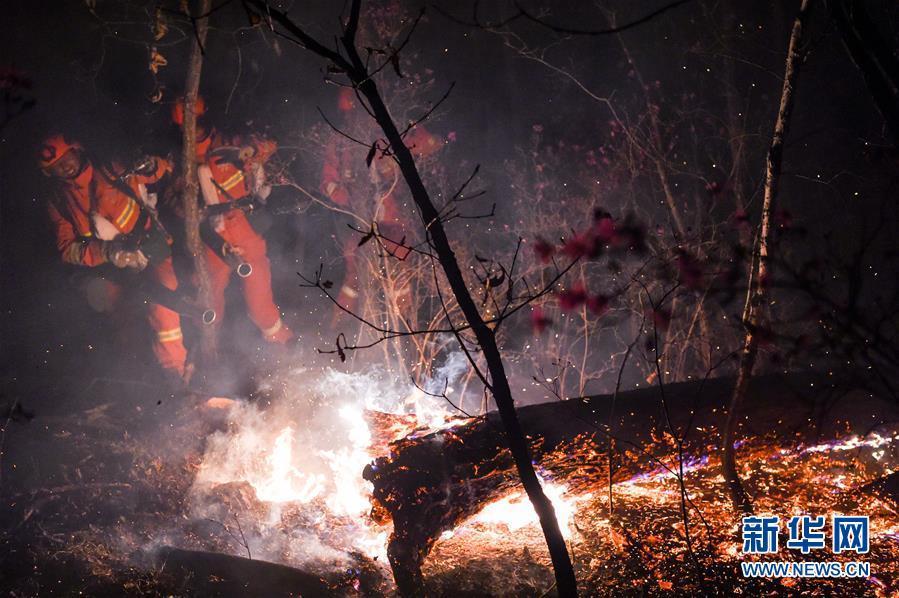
(126, 214)
(170, 335)
(274, 329)
(349, 292)
(233, 181)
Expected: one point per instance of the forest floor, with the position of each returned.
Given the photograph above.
(98, 489)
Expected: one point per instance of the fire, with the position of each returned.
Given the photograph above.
(286, 483)
(515, 511)
(303, 455)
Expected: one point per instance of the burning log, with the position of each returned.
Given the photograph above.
(430, 484)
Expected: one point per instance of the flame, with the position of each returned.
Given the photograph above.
(873, 440)
(313, 465)
(286, 483)
(515, 511)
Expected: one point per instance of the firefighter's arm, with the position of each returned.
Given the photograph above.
(75, 249)
(119, 209)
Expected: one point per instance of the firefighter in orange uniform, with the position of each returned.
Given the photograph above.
(230, 170)
(341, 182)
(97, 214)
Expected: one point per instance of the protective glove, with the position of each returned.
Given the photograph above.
(123, 258)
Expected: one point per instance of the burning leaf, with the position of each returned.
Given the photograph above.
(160, 26)
(157, 60)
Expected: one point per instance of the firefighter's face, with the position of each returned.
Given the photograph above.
(68, 167)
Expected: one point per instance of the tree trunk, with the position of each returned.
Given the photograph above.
(757, 293)
(189, 172)
(502, 393)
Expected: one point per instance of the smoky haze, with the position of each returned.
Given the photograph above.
(526, 123)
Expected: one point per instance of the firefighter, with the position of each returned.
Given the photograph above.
(344, 183)
(103, 216)
(231, 170)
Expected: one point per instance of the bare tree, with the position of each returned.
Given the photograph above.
(347, 61)
(757, 292)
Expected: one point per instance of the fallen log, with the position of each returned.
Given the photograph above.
(430, 484)
(215, 574)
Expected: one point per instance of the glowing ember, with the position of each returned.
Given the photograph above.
(873, 440)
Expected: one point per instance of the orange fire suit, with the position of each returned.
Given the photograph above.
(224, 179)
(88, 213)
(338, 181)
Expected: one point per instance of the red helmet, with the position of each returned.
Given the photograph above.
(55, 147)
(178, 110)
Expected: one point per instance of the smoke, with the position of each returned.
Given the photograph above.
(286, 473)
(448, 374)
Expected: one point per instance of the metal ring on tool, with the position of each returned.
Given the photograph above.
(244, 269)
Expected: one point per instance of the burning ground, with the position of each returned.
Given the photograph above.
(279, 479)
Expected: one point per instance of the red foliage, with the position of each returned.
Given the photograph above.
(539, 320)
(581, 245)
(573, 298)
(544, 250)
